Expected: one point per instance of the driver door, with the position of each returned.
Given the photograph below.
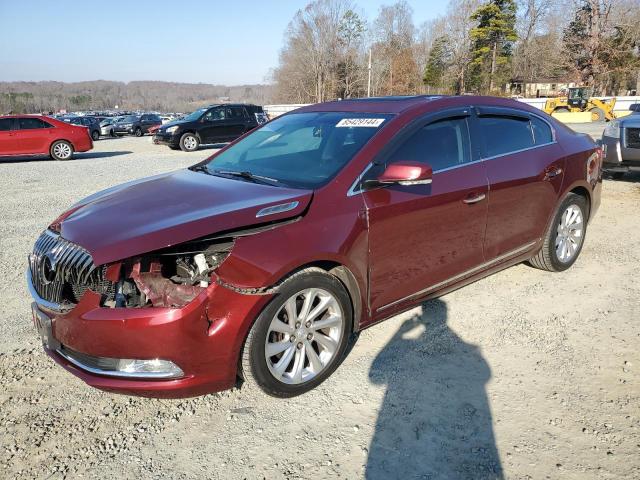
(422, 237)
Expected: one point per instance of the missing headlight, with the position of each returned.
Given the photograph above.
(171, 277)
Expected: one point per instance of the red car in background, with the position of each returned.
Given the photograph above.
(264, 260)
(42, 135)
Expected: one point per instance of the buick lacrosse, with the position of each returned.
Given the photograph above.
(264, 261)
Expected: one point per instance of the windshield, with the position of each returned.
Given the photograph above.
(300, 150)
(193, 116)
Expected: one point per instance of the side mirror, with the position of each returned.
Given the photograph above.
(403, 173)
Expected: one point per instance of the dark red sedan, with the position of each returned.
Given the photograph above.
(265, 260)
(42, 135)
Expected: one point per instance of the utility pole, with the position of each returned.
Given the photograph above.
(369, 80)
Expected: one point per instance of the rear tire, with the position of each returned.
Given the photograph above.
(564, 238)
(597, 115)
(61, 150)
(189, 142)
(300, 337)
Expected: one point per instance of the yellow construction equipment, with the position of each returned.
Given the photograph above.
(580, 100)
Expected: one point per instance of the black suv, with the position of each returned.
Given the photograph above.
(212, 124)
(136, 125)
(92, 123)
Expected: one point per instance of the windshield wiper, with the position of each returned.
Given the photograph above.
(248, 175)
(200, 168)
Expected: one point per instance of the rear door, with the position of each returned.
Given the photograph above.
(8, 137)
(525, 167)
(421, 237)
(237, 121)
(214, 127)
(34, 136)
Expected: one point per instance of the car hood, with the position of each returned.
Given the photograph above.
(164, 210)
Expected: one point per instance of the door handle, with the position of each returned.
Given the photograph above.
(474, 198)
(551, 172)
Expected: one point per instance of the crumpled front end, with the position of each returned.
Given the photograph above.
(154, 325)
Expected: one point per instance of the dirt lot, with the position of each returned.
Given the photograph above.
(525, 374)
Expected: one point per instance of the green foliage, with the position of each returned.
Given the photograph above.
(495, 31)
(437, 63)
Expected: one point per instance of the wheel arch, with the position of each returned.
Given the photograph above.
(345, 276)
(62, 140)
(583, 192)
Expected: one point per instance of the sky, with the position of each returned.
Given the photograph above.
(196, 41)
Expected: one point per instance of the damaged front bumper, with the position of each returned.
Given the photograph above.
(202, 340)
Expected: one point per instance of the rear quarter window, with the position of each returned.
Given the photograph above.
(542, 133)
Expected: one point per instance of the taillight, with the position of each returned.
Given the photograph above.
(594, 164)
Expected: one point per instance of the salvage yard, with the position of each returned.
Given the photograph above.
(541, 366)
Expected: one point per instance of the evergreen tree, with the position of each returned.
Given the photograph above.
(492, 43)
(437, 63)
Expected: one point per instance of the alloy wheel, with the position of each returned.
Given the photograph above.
(190, 142)
(304, 336)
(62, 150)
(570, 233)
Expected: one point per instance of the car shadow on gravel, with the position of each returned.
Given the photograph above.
(435, 420)
(76, 156)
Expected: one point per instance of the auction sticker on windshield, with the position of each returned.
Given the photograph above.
(360, 122)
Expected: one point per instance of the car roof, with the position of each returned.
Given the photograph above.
(415, 103)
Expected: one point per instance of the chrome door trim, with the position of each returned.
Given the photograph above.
(460, 276)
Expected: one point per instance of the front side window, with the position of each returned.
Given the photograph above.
(32, 124)
(214, 114)
(5, 124)
(442, 144)
(300, 150)
(502, 135)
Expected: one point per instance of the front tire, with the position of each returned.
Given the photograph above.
(189, 142)
(597, 115)
(95, 135)
(61, 150)
(300, 337)
(138, 132)
(564, 238)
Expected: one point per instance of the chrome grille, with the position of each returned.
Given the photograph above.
(633, 137)
(61, 271)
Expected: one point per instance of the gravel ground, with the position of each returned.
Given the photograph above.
(524, 374)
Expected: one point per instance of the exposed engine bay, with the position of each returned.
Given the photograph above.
(168, 278)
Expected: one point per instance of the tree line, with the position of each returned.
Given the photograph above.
(332, 51)
(32, 97)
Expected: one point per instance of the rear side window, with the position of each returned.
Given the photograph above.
(442, 144)
(235, 112)
(541, 131)
(5, 124)
(32, 123)
(502, 135)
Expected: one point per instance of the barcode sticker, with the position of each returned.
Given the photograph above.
(360, 122)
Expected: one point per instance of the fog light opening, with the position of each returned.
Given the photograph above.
(155, 367)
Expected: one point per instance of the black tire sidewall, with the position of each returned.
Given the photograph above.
(95, 136)
(258, 362)
(581, 203)
(138, 132)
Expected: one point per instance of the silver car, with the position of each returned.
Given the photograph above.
(106, 126)
(621, 144)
